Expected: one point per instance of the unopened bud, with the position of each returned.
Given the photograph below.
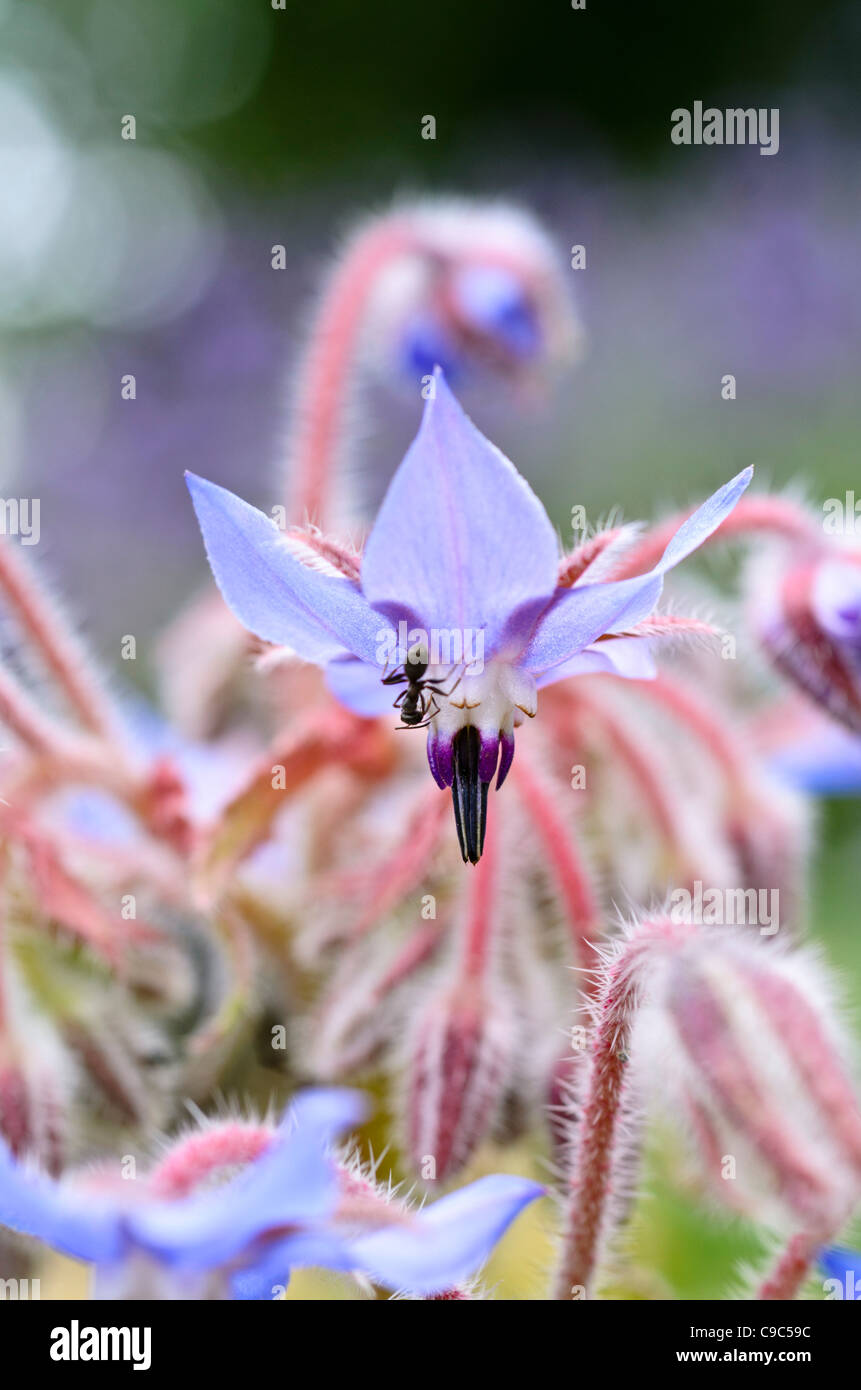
(809, 621)
(458, 1069)
(747, 1031)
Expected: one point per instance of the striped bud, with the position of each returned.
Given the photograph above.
(809, 622)
(459, 1065)
(747, 1032)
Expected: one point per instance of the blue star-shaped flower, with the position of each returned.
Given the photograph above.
(463, 559)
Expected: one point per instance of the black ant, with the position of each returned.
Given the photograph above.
(417, 704)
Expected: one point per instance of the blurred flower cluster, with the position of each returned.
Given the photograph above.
(274, 886)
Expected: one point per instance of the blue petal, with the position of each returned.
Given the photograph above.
(837, 1262)
(272, 593)
(447, 1241)
(291, 1183)
(461, 541)
(75, 1223)
(317, 1248)
(359, 686)
(580, 615)
(628, 657)
(427, 343)
(492, 299)
(825, 761)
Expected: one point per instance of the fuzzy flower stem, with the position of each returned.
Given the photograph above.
(405, 866)
(643, 772)
(773, 515)
(19, 714)
(63, 655)
(324, 377)
(792, 1268)
(684, 705)
(581, 908)
(594, 1160)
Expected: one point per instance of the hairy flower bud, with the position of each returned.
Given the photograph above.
(808, 616)
(459, 1063)
(36, 1083)
(744, 1033)
(471, 285)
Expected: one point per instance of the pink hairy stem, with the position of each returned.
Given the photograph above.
(51, 636)
(405, 866)
(785, 1280)
(324, 376)
(642, 770)
(590, 1184)
(572, 877)
(19, 714)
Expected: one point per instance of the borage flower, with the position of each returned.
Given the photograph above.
(458, 599)
(176, 1235)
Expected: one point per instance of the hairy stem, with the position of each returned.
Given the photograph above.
(324, 376)
(594, 1161)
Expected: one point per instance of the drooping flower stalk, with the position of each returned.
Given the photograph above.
(643, 767)
(27, 723)
(403, 868)
(352, 1023)
(454, 283)
(595, 1162)
(786, 1279)
(569, 870)
(55, 641)
(324, 379)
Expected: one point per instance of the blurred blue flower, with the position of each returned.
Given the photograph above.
(462, 556)
(281, 1211)
(826, 761)
(487, 311)
(844, 1266)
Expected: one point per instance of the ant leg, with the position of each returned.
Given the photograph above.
(431, 710)
(436, 687)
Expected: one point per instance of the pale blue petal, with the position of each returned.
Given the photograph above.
(319, 616)
(359, 686)
(75, 1223)
(838, 1262)
(446, 1241)
(270, 1271)
(628, 657)
(824, 760)
(494, 301)
(461, 541)
(581, 615)
(293, 1181)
